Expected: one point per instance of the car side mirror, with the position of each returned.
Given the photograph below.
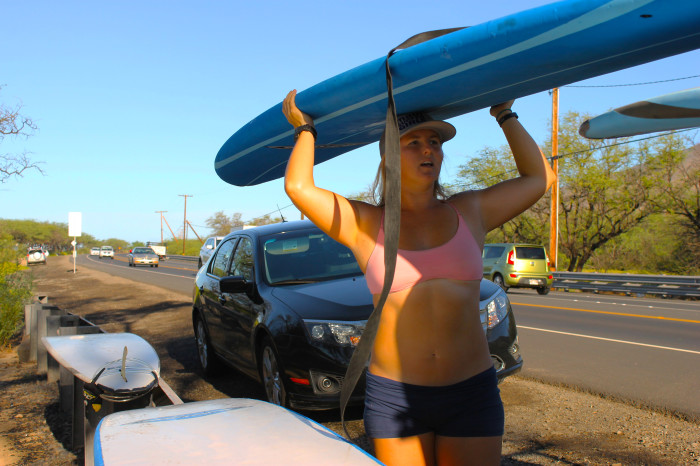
(234, 284)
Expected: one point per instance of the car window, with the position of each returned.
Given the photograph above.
(493, 252)
(528, 252)
(209, 243)
(223, 257)
(243, 260)
(143, 251)
(309, 255)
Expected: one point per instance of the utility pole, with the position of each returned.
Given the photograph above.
(184, 224)
(161, 212)
(554, 209)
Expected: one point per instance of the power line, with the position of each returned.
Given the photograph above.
(640, 84)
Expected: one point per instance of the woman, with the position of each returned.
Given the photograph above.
(432, 395)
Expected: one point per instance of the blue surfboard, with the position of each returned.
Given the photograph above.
(467, 70)
(678, 110)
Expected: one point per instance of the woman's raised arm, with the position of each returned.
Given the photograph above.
(331, 212)
(503, 201)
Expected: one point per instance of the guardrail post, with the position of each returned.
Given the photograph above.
(42, 316)
(53, 328)
(31, 322)
(66, 380)
(77, 413)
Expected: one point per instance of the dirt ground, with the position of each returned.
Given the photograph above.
(545, 424)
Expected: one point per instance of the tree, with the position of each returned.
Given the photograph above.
(13, 123)
(490, 167)
(221, 225)
(264, 220)
(605, 190)
(678, 166)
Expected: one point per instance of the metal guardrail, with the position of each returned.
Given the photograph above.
(630, 284)
(43, 320)
(183, 258)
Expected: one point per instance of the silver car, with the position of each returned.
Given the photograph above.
(208, 248)
(143, 256)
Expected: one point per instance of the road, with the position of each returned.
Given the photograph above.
(641, 349)
(646, 350)
(172, 274)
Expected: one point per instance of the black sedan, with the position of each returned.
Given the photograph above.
(286, 305)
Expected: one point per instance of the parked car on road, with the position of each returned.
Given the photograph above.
(143, 256)
(286, 305)
(512, 265)
(107, 251)
(36, 256)
(95, 251)
(207, 249)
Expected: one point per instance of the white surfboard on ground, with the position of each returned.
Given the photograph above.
(227, 431)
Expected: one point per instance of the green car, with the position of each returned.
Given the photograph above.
(512, 265)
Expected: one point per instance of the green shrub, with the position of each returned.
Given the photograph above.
(15, 290)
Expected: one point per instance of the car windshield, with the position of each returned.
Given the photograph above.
(306, 257)
(143, 251)
(524, 252)
(95, 249)
(106, 248)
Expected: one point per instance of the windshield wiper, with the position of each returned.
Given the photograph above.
(297, 281)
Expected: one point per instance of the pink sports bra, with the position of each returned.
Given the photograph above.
(457, 259)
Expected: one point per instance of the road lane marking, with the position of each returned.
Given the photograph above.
(611, 313)
(609, 339)
(154, 271)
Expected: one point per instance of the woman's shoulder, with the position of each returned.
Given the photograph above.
(465, 199)
(468, 205)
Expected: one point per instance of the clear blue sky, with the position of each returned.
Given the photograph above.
(133, 99)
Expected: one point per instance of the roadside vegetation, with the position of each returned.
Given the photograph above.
(15, 289)
(625, 205)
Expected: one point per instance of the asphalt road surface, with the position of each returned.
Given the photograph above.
(645, 350)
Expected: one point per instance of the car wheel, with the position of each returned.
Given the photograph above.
(543, 290)
(272, 375)
(498, 280)
(208, 361)
(156, 265)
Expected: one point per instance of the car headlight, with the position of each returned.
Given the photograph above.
(340, 333)
(497, 309)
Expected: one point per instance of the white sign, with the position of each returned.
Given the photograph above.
(75, 221)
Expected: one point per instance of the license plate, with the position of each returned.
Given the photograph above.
(534, 282)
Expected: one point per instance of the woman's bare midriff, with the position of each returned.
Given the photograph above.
(431, 334)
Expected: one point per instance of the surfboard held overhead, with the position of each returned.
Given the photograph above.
(464, 71)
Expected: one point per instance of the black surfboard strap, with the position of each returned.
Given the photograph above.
(392, 223)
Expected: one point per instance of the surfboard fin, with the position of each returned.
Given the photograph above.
(123, 371)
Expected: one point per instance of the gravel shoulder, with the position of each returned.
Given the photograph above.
(545, 424)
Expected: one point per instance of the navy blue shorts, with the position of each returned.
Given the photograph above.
(471, 408)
